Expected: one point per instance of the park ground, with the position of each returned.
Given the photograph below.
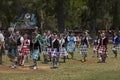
(71, 70)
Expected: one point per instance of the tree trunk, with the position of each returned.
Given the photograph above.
(60, 15)
(115, 16)
(92, 18)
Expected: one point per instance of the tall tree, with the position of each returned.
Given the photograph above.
(60, 15)
(115, 13)
(92, 6)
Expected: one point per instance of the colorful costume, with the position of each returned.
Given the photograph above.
(63, 51)
(115, 43)
(55, 53)
(45, 43)
(49, 49)
(35, 52)
(55, 44)
(39, 38)
(84, 46)
(102, 48)
(71, 44)
(26, 47)
(35, 49)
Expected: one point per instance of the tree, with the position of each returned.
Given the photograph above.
(60, 15)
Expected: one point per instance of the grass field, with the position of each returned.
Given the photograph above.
(72, 70)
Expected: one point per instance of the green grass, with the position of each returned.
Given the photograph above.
(73, 70)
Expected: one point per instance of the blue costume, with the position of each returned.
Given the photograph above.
(35, 50)
(115, 43)
(71, 44)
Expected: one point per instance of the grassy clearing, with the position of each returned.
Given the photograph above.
(72, 70)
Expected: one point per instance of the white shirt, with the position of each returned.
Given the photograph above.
(1, 37)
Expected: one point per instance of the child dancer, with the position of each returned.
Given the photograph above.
(26, 48)
(84, 46)
(45, 44)
(63, 51)
(102, 48)
(50, 46)
(71, 45)
(115, 44)
(20, 41)
(96, 41)
(39, 38)
(55, 53)
(35, 51)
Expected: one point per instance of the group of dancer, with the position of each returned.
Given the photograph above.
(53, 46)
(100, 46)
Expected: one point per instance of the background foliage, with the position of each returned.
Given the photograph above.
(61, 14)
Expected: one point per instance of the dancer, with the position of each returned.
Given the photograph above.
(20, 41)
(35, 51)
(84, 46)
(39, 38)
(55, 53)
(95, 43)
(63, 51)
(45, 44)
(71, 45)
(26, 49)
(50, 46)
(102, 48)
(115, 45)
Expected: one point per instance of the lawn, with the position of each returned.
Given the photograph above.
(72, 70)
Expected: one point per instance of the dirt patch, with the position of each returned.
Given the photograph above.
(25, 69)
(90, 62)
(86, 62)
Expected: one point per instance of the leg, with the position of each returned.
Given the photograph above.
(104, 58)
(53, 62)
(72, 55)
(94, 53)
(35, 64)
(85, 55)
(64, 59)
(57, 59)
(39, 57)
(49, 56)
(23, 60)
(115, 53)
(45, 58)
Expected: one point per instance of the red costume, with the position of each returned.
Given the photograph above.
(26, 49)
